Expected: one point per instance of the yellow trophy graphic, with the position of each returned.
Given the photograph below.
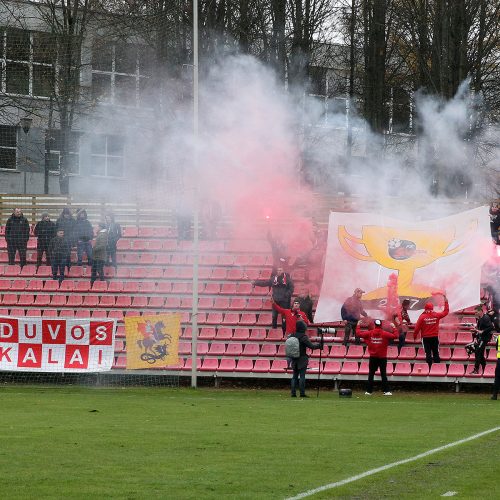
(404, 251)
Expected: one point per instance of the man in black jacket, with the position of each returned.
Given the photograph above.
(299, 365)
(84, 234)
(59, 250)
(45, 230)
(281, 285)
(17, 233)
(483, 333)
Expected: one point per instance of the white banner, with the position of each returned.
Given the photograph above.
(56, 344)
(430, 256)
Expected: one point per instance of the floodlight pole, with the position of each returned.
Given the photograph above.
(196, 245)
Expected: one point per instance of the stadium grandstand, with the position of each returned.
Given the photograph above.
(155, 276)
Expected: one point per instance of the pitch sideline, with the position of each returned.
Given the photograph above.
(390, 466)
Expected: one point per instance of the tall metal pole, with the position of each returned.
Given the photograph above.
(196, 249)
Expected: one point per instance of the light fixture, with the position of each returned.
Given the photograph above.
(25, 124)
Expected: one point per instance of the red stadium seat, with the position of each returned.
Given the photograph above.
(51, 286)
(139, 302)
(248, 319)
(463, 338)
(67, 286)
(44, 271)
(202, 348)
(268, 350)
(275, 335)
(217, 349)
(489, 371)
(82, 286)
(258, 334)
(420, 370)
(420, 354)
(244, 365)
(212, 288)
(67, 313)
(189, 363)
(107, 301)
(123, 301)
(90, 301)
(445, 353)
(130, 287)
(172, 302)
(254, 303)
(407, 353)
(349, 368)
(228, 288)
(438, 370)
(207, 333)
(227, 365)
(324, 352)
(17, 285)
(145, 259)
(41, 300)
(244, 289)
(147, 287)
(241, 334)
(447, 337)
(234, 349)
(206, 303)
(27, 299)
(163, 259)
(237, 303)
(49, 313)
(459, 354)
(231, 319)
(123, 245)
(264, 319)
(184, 348)
(402, 369)
(18, 313)
(226, 260)
(128, 258)
(261, 366)
(235, 274)
(224, 334)
(250, 350)
(58, 301)
(214, 318)
(74, 300)
(338, 351)
(156, 303)
(278, 366)
(100, 286)
(35, 285)
(140, 245)
(355, 352)
(28, 270)
(332, 368)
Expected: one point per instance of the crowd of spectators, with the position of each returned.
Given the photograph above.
(56, 240)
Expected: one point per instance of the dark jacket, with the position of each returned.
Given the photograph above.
(68, 225)
(114, 234)
(352, 310)
(302, 361)
(485, 328)
(100, 246)
(59, 249)
(306, 305)
(45, 230)
(83, 230)
(17, 230)
(282, 288)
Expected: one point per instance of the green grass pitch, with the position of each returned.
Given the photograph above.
(137, 443)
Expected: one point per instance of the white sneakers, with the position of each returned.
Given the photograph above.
(368, 393)
(387, 393)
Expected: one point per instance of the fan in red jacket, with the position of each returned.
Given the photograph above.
(377, 341)
(428, 326)
(291, 315)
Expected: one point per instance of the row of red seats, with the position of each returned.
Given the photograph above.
(336, 351)
(349, 368)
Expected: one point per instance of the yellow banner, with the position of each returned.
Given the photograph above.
(152, 341)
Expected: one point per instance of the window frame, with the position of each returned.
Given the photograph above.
(107, 156)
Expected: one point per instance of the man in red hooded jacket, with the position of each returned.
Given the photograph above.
(428, 326)
(377, 341)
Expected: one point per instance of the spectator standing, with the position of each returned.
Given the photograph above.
(45, 230)
(17, 233)
(494, 221)
(299, 365)
(100, 253)
(291, 315)
(66, 222)
(496, 385)
(59, 250)
(484, 333)
(402, 321)
(84, 234)
(279, 251)
(377, 341)
(351, 312)
(114, 234)
(306, 305)
(281, 285)
(428, 326)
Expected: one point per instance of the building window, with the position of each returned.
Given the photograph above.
(29, 60)
(8, 147)
(107, 155)
(120, 73)
(53, 147)
(317, 80)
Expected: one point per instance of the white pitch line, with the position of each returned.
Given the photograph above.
(390, 466)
